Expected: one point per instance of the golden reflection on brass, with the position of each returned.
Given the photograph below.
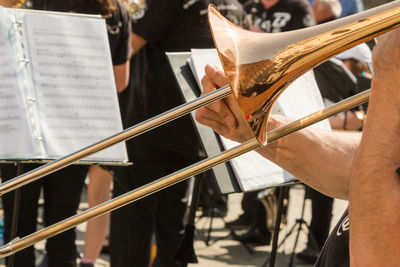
(167, 181)
(259, 66)
(257, 79)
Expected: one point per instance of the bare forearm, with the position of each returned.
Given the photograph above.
(375, 186)
(321, 159)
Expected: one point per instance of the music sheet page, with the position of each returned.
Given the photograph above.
(301, 98)
(15, 136)
(252, 170)
(74, 83)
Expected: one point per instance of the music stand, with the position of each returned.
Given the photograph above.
(224, 176)
(300, 222)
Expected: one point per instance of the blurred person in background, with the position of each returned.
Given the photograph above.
(268, 16)
(278, 15)
(321, 205)
(62, 189)
(349, 7)
(160, 26)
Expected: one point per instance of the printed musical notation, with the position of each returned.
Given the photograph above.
(13, 117)
(73, 77)
(57, 88)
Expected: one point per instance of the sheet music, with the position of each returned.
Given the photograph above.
(14, 126)
(74, 83)
(301, 98)
(199, 59)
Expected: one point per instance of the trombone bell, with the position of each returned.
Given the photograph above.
(259, 66)
(281, 64)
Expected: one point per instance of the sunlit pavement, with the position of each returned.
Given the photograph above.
(221, 249)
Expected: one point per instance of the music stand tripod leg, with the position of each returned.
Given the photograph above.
(185, 253)
(300, 222)
(15, 215)
(232, 232)
(275, 246)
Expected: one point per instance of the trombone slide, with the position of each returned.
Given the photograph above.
(258, 108)
(126, 134)
(167, 181)
(290, 62)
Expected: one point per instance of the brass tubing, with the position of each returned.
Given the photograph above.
(389, 23)
(126, 134)
(325, 113)
(162, 183)
(260, 66)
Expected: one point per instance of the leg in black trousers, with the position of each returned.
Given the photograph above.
(27, 216)
(321, 216)
(62, 191)
(132, 226)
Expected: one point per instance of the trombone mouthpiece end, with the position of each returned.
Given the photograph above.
(6, 250)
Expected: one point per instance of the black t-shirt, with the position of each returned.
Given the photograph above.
(168, 26)
(286, 15)
(335, 252)
(333, 80)
(335, 84)
(119, 34)
(118, 24)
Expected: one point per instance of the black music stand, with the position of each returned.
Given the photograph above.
(224, 175)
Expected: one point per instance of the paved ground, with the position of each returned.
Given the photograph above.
(222, 250)
(228, 252)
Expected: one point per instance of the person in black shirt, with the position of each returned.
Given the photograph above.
(62, 189)
(368, 173)
(332, 80)
(268, 16)
(161, 26)
(278, 15)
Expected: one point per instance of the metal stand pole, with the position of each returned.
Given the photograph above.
(274, 249)
(15, 215)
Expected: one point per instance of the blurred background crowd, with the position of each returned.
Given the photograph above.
(148, 232)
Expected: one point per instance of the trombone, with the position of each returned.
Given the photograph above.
(256, 79)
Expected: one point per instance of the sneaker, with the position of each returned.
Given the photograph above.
(308, 255)
(242, 222)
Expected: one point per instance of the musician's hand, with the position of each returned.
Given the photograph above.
(223, 116)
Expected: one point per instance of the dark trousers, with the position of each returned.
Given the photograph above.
(132, 226)
(254, 209)
(321, 216)
(61, 191)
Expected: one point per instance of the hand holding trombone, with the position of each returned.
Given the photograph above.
(257, 77)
